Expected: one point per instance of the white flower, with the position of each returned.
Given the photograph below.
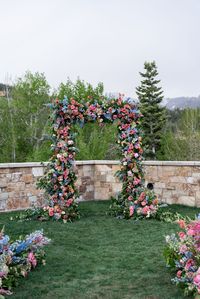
(70, 142)
(167, 239)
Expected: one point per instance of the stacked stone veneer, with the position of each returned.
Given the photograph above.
(174, 182)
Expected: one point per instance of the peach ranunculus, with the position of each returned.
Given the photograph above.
(155, 202)
(181, 223)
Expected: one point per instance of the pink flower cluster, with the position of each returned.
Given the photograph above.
(184, 253)
(146, 204)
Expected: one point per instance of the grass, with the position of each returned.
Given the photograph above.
(99, 257)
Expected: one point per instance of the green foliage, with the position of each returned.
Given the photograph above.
(150, 96)
(5, 132)
(80, 90)
(29, 96)
(97, 143)
(93, 142)
(183, 141)
(24, 118)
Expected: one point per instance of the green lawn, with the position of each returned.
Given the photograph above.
(99, 257)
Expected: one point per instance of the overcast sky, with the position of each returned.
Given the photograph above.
(103, 40)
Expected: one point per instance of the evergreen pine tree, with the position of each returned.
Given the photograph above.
(150, 96)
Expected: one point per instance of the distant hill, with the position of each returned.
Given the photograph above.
(169, 103)
(178, 103)
(182, 103)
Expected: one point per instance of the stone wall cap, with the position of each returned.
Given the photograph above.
(22, 165)
(102, 162)
(172, 163)
(97, 162)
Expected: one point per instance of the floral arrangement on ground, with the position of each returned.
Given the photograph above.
(182, 254)
(18, 258)
(143, 203)
(46, 213)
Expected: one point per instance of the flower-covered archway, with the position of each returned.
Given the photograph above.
(59, 180)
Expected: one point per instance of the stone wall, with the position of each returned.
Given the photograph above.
(174, 182)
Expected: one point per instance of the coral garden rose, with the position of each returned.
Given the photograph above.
(181, 223)
(181, 235)
(145, 210)
(142, 196)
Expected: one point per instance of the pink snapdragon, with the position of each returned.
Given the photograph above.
(131, 210)
(32, 259)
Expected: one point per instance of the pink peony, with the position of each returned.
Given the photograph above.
(196, 279)
(179, 273)
(190, 232)
(189, 264)
(152, 207)
(143, 203)
(183, 248)
(130, 198)
(136, 181)
(132, 132)
(123, 135)
(92, 107)
(130, 146)
(69, 202)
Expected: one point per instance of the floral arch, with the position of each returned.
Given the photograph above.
(59, 179)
